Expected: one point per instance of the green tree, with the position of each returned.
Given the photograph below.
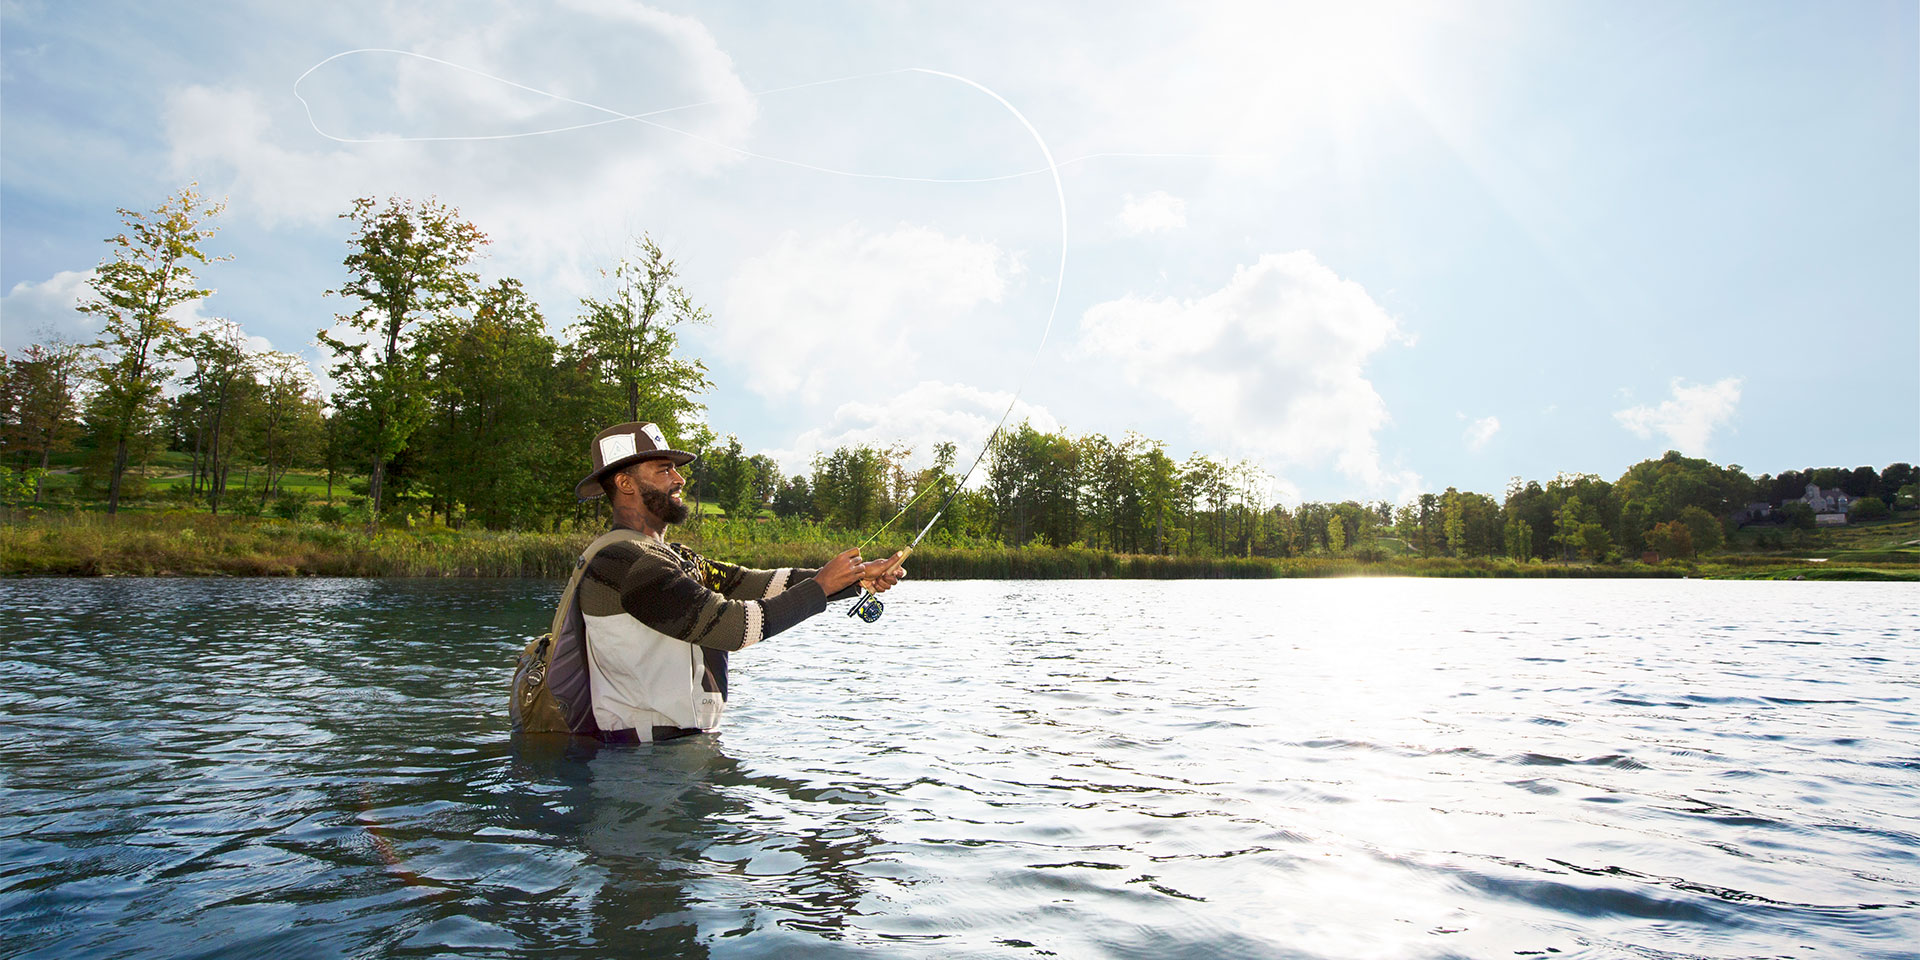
(287, 423)
(408, 263)
(1671, 539)
(494, 449)
(628, 340)
(42, 389)
(734, 478)
(1704, 528)
(1519, 537)
(148, 275)
(794, 499)
(209, 410)
(1868, 508)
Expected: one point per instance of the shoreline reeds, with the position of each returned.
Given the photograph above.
(192, 544)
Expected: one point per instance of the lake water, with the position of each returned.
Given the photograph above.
(1320, 768)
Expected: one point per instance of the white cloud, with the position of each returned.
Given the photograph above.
(928, 413)
(793, 309)
(1481, 431)
(555, 195)
(30, 309)
(1271, 363)
(1156, 211)
(1689, 417)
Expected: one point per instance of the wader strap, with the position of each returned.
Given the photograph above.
(604, 541)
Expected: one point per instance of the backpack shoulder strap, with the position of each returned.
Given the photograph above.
(605, 540)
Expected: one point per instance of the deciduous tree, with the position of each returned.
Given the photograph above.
(408, 262)
(148, 275)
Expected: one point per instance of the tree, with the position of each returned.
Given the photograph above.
(220, 384)
(1670, 539)
(794, 499)
(1519, 539)
(628, 341)
(43, 401)
(288, 417)
(1705, 529)
(1799, 515)
(495, 446)
(408, 263)
(733, 476)
(148, 275)
(1868, 508)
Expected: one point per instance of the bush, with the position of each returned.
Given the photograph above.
(1799, 515)
(1868, 508)
(289, 505)
(328, 513)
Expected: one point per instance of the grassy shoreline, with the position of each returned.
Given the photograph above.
(191, 544)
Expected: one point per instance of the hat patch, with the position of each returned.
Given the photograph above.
(653, 433)
(616, 447)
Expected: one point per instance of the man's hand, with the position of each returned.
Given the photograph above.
(881, 575)
(841, 572)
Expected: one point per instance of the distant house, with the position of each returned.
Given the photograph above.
(1755, 513)
(1829, 506)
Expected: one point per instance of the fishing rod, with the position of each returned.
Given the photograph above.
(869, 607)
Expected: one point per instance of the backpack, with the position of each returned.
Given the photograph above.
(552, 691)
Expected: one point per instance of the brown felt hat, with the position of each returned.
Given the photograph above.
(615, 447)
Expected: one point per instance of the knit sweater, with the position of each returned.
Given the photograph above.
(718, 606)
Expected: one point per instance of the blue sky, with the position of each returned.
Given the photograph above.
(1374, 248)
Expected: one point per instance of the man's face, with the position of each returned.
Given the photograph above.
(660, 484)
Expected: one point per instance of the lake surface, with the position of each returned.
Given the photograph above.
(1316, 768)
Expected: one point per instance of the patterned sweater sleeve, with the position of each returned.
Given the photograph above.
(705, 603)
(745, 583)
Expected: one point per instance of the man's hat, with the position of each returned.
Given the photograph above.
(615, 447)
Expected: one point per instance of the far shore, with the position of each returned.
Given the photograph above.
(199, 545)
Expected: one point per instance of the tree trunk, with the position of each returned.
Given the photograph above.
(41, 481)
(119, 467)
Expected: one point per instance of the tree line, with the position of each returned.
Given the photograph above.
(455, 404)
(452, 400)
(1129, 496)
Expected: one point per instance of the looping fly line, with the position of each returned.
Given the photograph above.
(617, 116)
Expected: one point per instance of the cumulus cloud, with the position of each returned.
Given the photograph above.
(1688, 418)
(49, 306)
(1272, 363)
(1154, 212)
(1481, 431)
(788, 310)
(552, 193)
(929, 413)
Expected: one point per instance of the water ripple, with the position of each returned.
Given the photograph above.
(1193, 769)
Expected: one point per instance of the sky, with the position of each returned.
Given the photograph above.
(1375, 249)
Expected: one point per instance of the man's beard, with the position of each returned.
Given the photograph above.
(665, 507)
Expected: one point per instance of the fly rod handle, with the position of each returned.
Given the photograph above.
(893, 563)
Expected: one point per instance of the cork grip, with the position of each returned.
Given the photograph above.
(893, 563)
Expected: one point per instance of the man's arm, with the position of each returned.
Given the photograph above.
(659, 592)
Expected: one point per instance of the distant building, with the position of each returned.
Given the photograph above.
(1829, 506)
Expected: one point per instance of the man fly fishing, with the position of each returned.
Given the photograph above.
(638, 651)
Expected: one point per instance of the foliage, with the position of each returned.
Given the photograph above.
(1868, 508)
(136, 290)
(409, 263)
(627, 343)
(39, 403)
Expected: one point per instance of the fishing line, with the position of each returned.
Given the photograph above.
(868, 608)
(617, 116)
